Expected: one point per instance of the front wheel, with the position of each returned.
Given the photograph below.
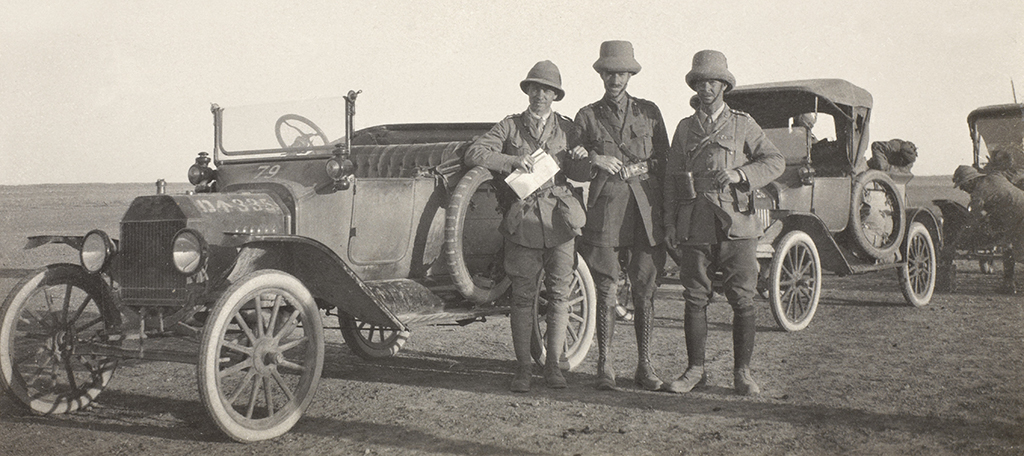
(917, 277)
(44, 320)
(582, 324)
(369, 341)
(794, 281)
(261, 356)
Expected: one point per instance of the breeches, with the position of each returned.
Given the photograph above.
(737, 261)
(642, 265)
(523, 265)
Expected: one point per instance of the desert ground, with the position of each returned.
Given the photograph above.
(870, 375)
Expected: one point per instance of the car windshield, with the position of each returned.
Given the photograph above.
(998, 133)
(289, 128)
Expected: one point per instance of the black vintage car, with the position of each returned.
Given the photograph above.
(997, 133)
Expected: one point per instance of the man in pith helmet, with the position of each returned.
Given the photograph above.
(719, 156)
(539, 229)
(627, 142)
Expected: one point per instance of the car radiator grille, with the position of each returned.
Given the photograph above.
(146, 270)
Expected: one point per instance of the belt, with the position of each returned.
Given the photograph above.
(638, 170)
(706, 185)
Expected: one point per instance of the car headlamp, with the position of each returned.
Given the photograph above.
(339, 169)
(189, 251)
(97, 248)
(200, 171)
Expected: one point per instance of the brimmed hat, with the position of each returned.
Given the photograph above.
(617, 57)
(545, 73)
(710, 64)
(964, 174)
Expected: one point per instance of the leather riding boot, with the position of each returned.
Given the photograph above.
(521, 319)
(557, 321)
(643, 322)
(743, 331)
(605, 330)
(695, 324)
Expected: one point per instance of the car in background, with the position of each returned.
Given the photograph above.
(997, 135)
(830, 210)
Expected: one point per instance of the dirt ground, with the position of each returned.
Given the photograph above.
(870, 375)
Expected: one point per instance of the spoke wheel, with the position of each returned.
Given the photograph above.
(876, 214)
(370, 341)
(261, 357)
(44, 319)
(579, 334)
(794, 281)
(917, 278)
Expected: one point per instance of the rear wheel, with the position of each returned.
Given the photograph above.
(579, 334)
(917, 278)
(370, 341)
(261, 356)
(45, 320)
(794, 281)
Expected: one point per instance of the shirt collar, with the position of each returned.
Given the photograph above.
(541, 120)
(714, 116)
(617, 106)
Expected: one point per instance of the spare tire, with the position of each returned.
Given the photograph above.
(454, 235)
(877, 218)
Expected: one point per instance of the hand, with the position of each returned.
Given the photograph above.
(524, 163)
(608, 163)
(578, 152)
(670, 236)
(722, 177)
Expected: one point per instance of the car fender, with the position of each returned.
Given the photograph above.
(930, 221)
(832, 257)
(321, 270)
(74, 241)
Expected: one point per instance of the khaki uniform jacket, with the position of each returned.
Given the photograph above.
(734, 142)
(550, 216)
(643, 134)
(1002, 201)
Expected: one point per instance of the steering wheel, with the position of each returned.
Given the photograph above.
(305, 131)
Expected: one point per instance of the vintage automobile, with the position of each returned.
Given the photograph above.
(829, 210)
(383, 228)
(997, 133)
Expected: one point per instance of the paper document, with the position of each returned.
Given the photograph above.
(544, 168)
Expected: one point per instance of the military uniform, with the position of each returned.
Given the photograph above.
(735, 141)
(624, 215)
(718, 230)
(1002, 204)
(713, 221)
(551, 216)
(633, 132)
(539, 230)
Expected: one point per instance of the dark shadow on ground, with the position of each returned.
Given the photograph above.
(431, 370)
(187, 420)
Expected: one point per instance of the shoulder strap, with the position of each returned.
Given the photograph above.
(524, 129)
(603, 122)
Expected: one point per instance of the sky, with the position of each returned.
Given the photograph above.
(120, 91)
